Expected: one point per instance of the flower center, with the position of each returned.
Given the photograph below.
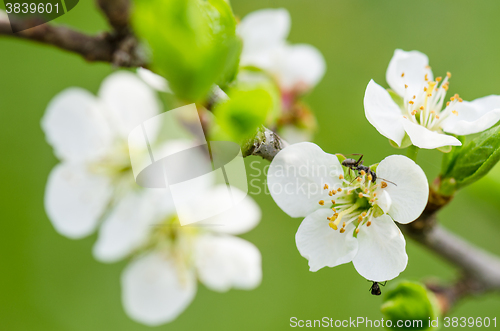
(353, 201)
(426, 108)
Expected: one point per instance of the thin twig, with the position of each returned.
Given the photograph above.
(122, 51)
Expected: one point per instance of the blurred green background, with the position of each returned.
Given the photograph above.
(49, 282)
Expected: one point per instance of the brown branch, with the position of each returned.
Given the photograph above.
(122, 51)
(117, 13)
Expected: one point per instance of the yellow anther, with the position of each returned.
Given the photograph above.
(360, 218)
(383, 185)
(366, 190)
(322, 202)
(372, 200)
(425, 89)
(438, 79)
(426, 78)
(330, 193)
(437, 117)
(357, 230)
(422, 108)
(343, 224)
(460, 100)
(427, 67)
(333, 201)
(334, 210)
(405, 117)
(411, 102)
(414, 96)
(406, 86)
(429, 95)
(455, 112)
(363, 214)
(447, 104)
(414, 112)
(452, 98)
(448, 74)
(328, 218)
(362, 172)
(339, 189)
(325, 187)
(342, 230)
(368, 223)
(333, 192)
(360, 195)
(359, 179)
(403, 74)
(341, 177)
(332, 225)
(433, 112)
(349, 192)
(375, 194)
(370, 176)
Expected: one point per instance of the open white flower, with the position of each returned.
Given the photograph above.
(161, 280)
(94, 184)
(89, 135)
(423, 112)
(297, 68)
(348, 220)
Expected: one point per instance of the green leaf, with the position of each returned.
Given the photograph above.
(474, 160)
(249, 106)
(193, 43)
(410, 301)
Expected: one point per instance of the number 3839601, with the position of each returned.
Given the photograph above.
(32, 8)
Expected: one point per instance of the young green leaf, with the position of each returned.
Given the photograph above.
(193, 43)
(474, 160)
(412, 302)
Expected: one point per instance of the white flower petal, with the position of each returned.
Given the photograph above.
(424, 138)
(129, 224)
(297, 176)
(474, 116)
(323, 246)
(129, 101)
(75, 126)
(381, 250)
(410, 194)
(155, 81)
(384, 200)
(301, 67)
(155, 290)
(75, 199)
(241, 218)
(383, 113)
(264, 29)
(225, 262)
(414, 65)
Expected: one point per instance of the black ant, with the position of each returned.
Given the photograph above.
(375, 289)
(358, 166)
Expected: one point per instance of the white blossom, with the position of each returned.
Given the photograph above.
(89, 135)
(423, 112)
(93, 187)
(348, 219)
(297, 68)
(161, 280)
